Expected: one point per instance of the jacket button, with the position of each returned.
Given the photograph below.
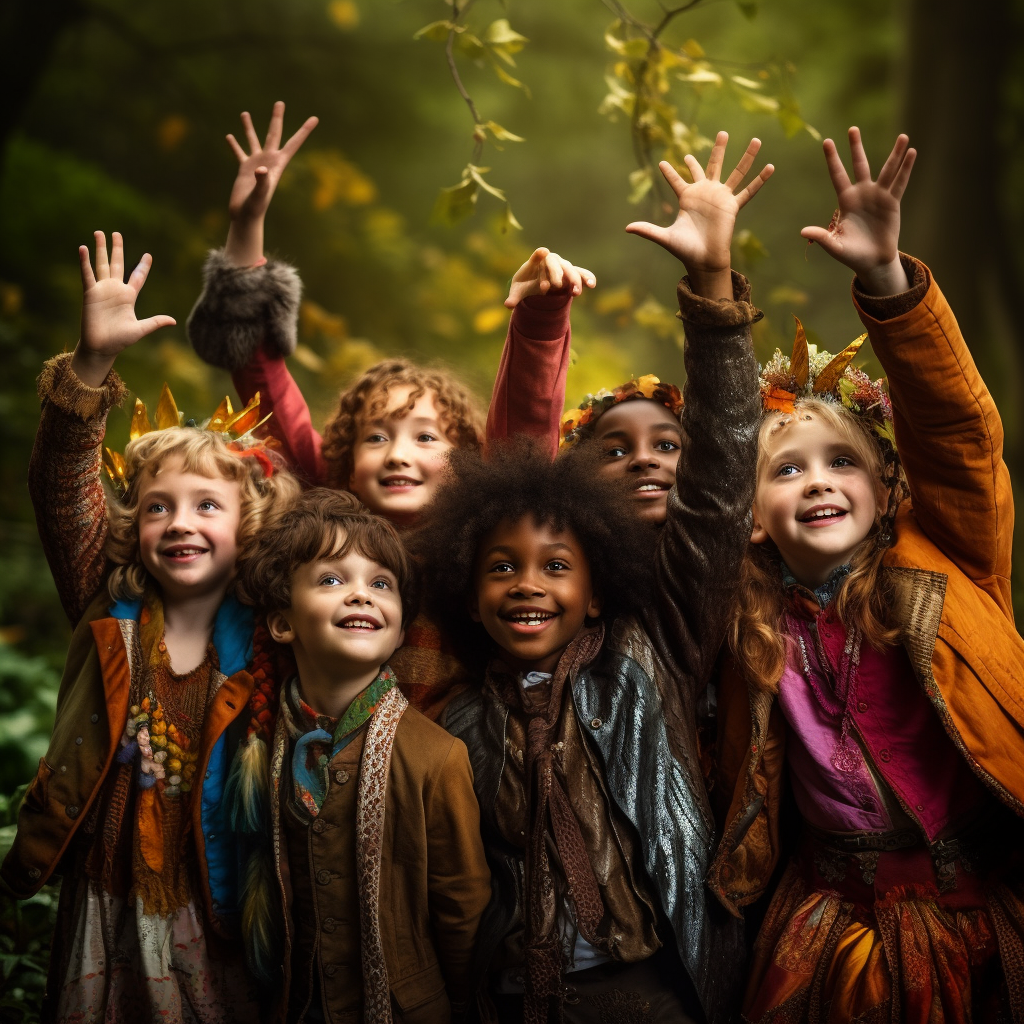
(341, 776)
(330, 970)
(318, 826)
(323, 876)
(71, 810)
(329, 924)
(63, 768)
(884, 755)
(34, 873)
(920, 807)
(862, 706)
(94, 719)
(595, 723)
(78, 741)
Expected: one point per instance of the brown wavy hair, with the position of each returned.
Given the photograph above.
(865, 599)
(461, 418)
(201, 452)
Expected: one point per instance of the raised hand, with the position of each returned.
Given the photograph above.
(865, 234)
(109, 324)
(701, 235)
(545, 272)
(259, 171)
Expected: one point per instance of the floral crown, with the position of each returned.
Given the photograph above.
(594, 406)
(237, 428)
(808, 373)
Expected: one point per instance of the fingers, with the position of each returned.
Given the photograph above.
(746, 162)
(116, 256)
(754, 187)
(140, 273)
(102, 267)
(88, 278)
(261, 190)
(250, 133)
(647, 230)
(674, 178)
(240, 153)
(300, 136)
(276, 128)
(154, 323)
(694, 167)
(836, 170)
(899, 186)
(826, 239)
(717, 158)
(554, 270)
(861, 168)
(894, 161)
(587, 277)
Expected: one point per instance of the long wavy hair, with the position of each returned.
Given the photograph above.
(864, 601)
(201, 452)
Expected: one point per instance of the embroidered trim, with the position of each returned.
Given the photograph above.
(373, 781)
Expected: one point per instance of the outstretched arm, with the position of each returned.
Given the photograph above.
(529, 389)
(245, 320)
(948, 431)
(77, 392)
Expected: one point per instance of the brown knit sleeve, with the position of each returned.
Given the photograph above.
(64, 480)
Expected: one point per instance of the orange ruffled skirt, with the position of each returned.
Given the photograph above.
(878, 937)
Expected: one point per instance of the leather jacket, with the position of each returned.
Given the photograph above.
(637, 700)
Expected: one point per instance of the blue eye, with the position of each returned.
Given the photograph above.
(207, 506)
(156, 508)
(330, 580)
(381, 584)
(788, 470)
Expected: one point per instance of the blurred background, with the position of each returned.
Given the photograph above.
(400, 210)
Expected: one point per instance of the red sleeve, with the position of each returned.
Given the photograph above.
(529, 390)
(290, 423)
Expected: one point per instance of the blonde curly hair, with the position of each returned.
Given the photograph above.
(202, 452)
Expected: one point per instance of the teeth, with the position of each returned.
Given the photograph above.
(531, 619)
(359, 624)
(825, 513)
(651, 487)
(185, 551)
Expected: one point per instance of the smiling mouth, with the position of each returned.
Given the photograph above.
(183, 554)
(400, 482)
(529, 621)
(367, 625)
(824, 515)
(651, 488)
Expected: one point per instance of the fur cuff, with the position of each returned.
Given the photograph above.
(242, 308)
(702, 312)
(59, 384)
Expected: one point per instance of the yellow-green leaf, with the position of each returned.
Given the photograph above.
(436, 31)
(693, 49)
(509, 80)
(455, 203)
(500, 33)
(477, 175)
(502, 134)
(470, 45)
(746, 83)
(640, 183)
(508, 220)
(702, 76)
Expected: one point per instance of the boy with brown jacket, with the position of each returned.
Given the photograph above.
(381, 877)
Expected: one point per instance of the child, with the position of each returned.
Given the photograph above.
(372, 805)
(126, 802)
(393, 425)
(583, 736)
(640, 443)
(877, 657)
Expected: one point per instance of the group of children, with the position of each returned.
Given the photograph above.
(428, 720)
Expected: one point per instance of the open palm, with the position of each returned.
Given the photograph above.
(701, 235)
(867, 233)
(109, 323)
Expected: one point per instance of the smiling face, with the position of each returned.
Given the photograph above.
(818, 494)
(533, 592)
(640, 442)
(345, 616)
(188, 530)
(398, 457)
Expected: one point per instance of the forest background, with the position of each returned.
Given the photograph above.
(114, 117)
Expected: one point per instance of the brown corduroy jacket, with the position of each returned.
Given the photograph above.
(950, 566)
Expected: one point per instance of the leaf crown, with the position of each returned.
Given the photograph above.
(237, 428)
(594, 406)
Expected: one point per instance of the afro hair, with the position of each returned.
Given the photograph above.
(518, 480)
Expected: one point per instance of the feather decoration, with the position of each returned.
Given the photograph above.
(261, 926)
(247, 790)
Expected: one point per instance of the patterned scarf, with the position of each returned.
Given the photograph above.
(317, 739)
(551, 821)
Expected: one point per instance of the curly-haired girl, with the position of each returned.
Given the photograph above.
(127, 800)
(875, 657)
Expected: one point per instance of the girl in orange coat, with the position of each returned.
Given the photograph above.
(875, 656)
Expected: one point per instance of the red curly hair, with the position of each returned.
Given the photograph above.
(461, 417)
